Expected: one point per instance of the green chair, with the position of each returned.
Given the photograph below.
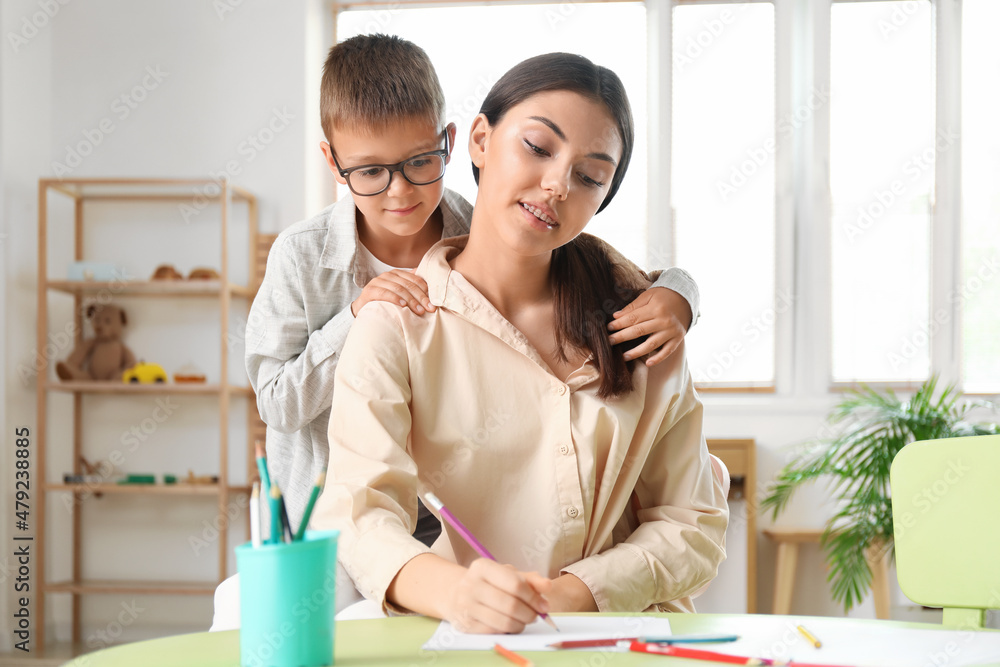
(946, 524)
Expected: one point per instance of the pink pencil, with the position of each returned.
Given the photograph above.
(436, 503)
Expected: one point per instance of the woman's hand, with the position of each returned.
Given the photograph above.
(659, 313)
(493, 598)
(570, 594)
(486, 597)
(399, 286)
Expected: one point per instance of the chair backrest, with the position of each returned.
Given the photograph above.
(946, 524)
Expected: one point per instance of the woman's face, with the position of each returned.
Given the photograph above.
(545, 168)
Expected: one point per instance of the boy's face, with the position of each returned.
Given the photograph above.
(403, 209)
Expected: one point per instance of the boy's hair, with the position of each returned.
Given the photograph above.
(370, 81)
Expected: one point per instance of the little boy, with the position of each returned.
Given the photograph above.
(383, 114)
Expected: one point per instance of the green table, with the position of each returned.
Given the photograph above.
(398, 641)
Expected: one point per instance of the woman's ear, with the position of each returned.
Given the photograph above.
(331, 165)
(452, 130)
(478, 139)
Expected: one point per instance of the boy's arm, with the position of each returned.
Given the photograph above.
(663, 316)
(680, 281)
(291, 370)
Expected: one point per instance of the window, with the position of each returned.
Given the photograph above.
(882, 157)
(516, 32)
(852, 205)
(722, 185)
(978, 291)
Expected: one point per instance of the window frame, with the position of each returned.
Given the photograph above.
(803, 265)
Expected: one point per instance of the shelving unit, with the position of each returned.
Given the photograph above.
(223, 291)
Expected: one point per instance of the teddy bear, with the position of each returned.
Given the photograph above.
(103, 357)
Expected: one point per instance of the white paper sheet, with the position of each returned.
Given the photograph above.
(538, 635)
(857, 644)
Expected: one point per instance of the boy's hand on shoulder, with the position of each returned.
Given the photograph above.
(399, 286)
(659, 313)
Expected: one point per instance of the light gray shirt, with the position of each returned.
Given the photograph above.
(298, 324)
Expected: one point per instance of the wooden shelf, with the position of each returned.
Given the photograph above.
(145, 189)
(138, 587)
(228, 205)
(80, 387)
(126, 288)
(179, 489)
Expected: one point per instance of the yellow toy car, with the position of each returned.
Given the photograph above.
(144, 373)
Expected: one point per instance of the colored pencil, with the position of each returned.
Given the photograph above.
(513, 657)
(317, 488)
(265, 479)
(255, 515)
(446, 514)
(713, 656)
(808, 635)
(286, 525)
(275, 507)
(675, 639)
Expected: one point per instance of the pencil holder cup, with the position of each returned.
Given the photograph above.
(287, 596)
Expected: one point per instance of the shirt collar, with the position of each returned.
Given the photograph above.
(450, 290)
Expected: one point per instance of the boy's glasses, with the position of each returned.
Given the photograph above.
(367, 180)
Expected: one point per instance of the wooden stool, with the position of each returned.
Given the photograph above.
(788, 541)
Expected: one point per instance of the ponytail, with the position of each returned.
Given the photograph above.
(589, 288)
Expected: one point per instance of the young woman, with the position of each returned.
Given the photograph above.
(586, 475)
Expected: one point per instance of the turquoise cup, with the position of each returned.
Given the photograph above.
(287, 606)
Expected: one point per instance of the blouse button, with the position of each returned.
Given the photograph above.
(561, 390)
(572, 511)
(563, 449)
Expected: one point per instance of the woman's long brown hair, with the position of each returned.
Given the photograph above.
(588, 285)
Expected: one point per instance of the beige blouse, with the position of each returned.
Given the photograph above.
(549, 477)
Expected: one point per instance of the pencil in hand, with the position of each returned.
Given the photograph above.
(435, 502)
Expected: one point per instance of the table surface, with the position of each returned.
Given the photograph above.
(398, 641)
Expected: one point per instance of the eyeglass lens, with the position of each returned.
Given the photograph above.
(419, 170)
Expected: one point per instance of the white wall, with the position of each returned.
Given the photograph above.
(198, 82)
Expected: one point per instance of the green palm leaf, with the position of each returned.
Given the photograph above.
(872, 427)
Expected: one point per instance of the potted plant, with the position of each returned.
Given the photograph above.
(870, 428)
